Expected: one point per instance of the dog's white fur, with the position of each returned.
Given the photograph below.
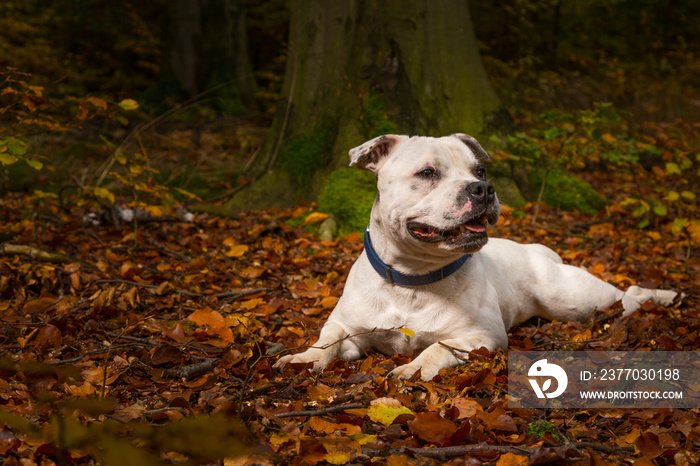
(502, 284)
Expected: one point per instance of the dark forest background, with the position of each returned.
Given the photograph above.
(216, 67)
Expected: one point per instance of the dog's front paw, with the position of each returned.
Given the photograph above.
(306, 357)
(406, 371)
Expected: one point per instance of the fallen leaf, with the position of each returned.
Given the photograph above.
(207, 317)
(39, 305)
(165, 354)
(467, 407)
(497, 420)
(47, 336)
(237, 250)
(252, 272)
(316, 217)
(81, 391)
(322, 426)
(176, 333)
(648, 444)
(320, 392)
(511, 459)
(385, 414)
(341, 450)
(432, 428)
(128, 413)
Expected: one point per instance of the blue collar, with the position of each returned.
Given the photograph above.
(397, 278)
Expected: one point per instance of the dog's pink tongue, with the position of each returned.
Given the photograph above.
(475, 227)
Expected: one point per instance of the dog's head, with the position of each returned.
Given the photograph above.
(431, 190)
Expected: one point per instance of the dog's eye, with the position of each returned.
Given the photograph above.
(481, 173)
(427, 173)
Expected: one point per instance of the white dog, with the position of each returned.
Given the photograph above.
(427, 265)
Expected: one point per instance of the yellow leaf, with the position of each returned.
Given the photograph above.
(607, 137)
(583, 336)
(673, 168)
(694, 229)
(129, 104)
(386, 414)
(252, 303)
(104, 194)
(154, 210)
(237, 250)
(408, 332)
(363, 438)
(340, 450)
(187, 194)
(35, 164)
(316, 217)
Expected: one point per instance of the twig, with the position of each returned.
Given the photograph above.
(140, 341)
(7, 249)
(89, 353)
(321, 411)
(262, 388)
(157, 412)
(225, 197)
(460, 450)
(192, 370)
(538, 202)
(374, 330)
(169, 250)
(599, 447)
(286, 119)
(249, 374)
(470, 353)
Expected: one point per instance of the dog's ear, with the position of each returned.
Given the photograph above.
(473, 145)
(371, 152)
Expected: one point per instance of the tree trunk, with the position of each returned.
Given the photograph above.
(208, 48)
(359, 69)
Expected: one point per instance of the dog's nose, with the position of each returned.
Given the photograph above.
(481, 191)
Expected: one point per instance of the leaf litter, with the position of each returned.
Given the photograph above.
(157, 347)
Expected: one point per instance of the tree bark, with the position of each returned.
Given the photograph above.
(412, 64)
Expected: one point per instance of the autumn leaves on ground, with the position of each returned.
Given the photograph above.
(156, 344)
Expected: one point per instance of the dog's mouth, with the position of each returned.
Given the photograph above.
(460, 235)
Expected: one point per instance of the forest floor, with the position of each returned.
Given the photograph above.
(156, 344)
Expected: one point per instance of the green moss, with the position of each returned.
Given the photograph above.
(376, 118)
(540, 428)
(565, 191)
(303, 155)
(348, 194)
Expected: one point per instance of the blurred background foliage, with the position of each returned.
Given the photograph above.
(551, 53)
(200, 131)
